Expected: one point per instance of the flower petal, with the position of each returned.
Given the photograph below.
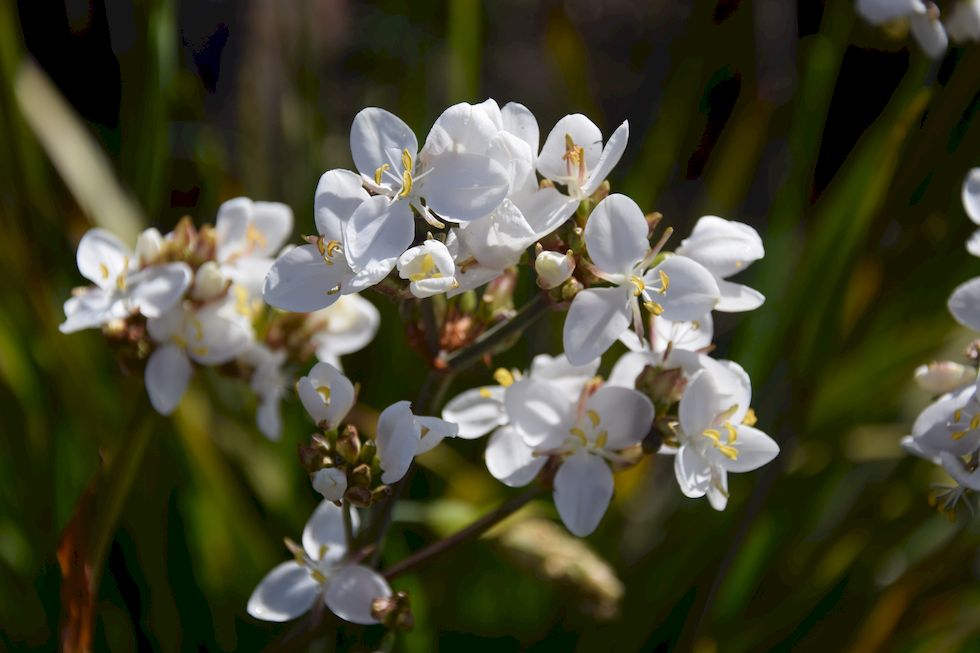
(725, 247)
(558, 372)
(374, 134)
(718, 489)
(157, 289)
(477, 411)
(167, 373)
(611, 154)
(628, 368)
(971, 195)
(433, 431)
(736, 298)
(616, 235)
(464, 186)
(285, 593)
(693, 290)
(462, 127)
(930, 34)
(538, 410)
(398, 439)
(274, 223)
(624, 414)
(954, 467)
(326, 394)
(300, 280)
(701, 403)
(552, 162)
(351, 323)
(91, 308)
(325, 528)
(519, 121)
(692, 472)
(755, 449)
(964, 304)
(102, 257)
(596, 318)
(379, 231)
(499, 239)
(338, 194)
(351, 591)
(545, 210)
(583, 489)
(510, 460)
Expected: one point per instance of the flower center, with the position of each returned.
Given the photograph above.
(587, 433)
(574, 159)
(725, 436)
(959, 428)
(427, 269)
(407, 178)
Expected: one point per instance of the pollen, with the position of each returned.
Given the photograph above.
(574, 157)
(485, 393)
(958, 435)
(121, 279)
(428, 270)
(593, 417)
(750, 418)
(638, 285)
(654, 308)
(104, 270)
(255, 237)
(324, 393)
(379, 172)
(407, 180)
(579, 434)
(602, 439)
(975, 422)
(957, 415)
(503, 377)
(664, 282)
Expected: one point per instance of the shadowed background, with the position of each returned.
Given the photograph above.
(842, 146)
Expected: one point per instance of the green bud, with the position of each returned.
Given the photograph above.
(361, 475)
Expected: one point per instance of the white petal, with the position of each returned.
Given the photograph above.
(351, 323)
(755, 449)
(464, 186)
(725, 247)
(583, 489)
(736, 298)
(326, 381)
(971, 195)
(331, 483)
(877, 12)
(510, 460)
(461, 128)
(954, 467)
(583, 132)
(718, 489)
(91, 308)
(628, 368)
(325, 528)
(102, 257)
(964, 304)
(338, 194)
(215, 334)
(352, 589)
(157, 289)
(930, 34)
(693, 290)
(433, 431)
(171, 323)
(300, 280)
(231, 227)
(519, 121)
(624, 414)
(268, 418)
(701, 403)
(692, 472)
(691, 335)
(379, 231)
(538, 410)
(561, 374)
(517, 159)
(616, 235)
(973, 244)
(274, 223)
(611, 154)
(596, 318)
(545, 210)
(374, 134)
(498, 240)
(398, 439)
(285, 593)
(167, 373)
(477, 411)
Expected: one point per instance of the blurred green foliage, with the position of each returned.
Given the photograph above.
(845, 149)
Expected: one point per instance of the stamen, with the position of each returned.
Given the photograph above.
(664, 282)
(503, 377)
(638, 285)
(975, 422)
(602, 439)
(104, 270)
(324, 392)
(593, 417)
(485, 393)
(654, 308)
(957, 435)
(379, 172)
(579, 434)
(254, 236)
(958, 415)
(750, 419)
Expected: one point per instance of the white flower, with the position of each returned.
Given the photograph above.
(553, 268)
(573, 154)
(479, 410)
(726, 247)
(326, 394)
(331, 482)
(964, 303)
(268, 382)
(713, 439)
(120, 287)
(402, 436)
(923, 17)
(943, 376)
(318, 571)
(247, 236)
(963, 23)
(314, 276)
(586, 434)
(209, 282)
(971, 204)
(343, 328)
(149, 245)
(678, 288)
(966, 476)
(951, 423)
(211, 335)
(429, 267)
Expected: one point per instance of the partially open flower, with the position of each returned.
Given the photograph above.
(553, 268)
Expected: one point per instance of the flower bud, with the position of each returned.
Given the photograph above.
(149, 244)
(331, 482)
(209, 283)
(361, 476)
(358, 496)
(348, 444)
(943, 376)
(569, 289)
(369, 450)
(394, 612)
(553, 268)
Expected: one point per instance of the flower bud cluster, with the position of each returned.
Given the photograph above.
(923, 19)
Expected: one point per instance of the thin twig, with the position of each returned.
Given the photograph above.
(475, 529)
(349, 528)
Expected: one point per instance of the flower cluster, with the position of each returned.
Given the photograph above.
(947, 432)
(922, 18)
(193, 298)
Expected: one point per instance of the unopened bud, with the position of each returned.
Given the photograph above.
(381, 493)
(359, 496)
(361, 475)
(369, 450)
(660, 385)
(569, 289)
(149, 244)
(348, 444)
(209, 282)
(939, 377)
(331, 482)
(553, 268)
(394, 612)
(468, 301)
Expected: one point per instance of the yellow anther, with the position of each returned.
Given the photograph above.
(407, 160)
(333, 291)
(485, 393)
(318, 576)
(975, 422)
(664, 282)
(242, 306)
(713, 434)
(407, 180)
(593, 417)
(198, 328)
(638, 285)
(579, 434)
(200, 351)
(750, 419)
(104, 270)
(379, 172)
(254, 236)
(727, 414)
(654, 308)
(602, 439)
(323, 551)
(179, 341)
(503, 377)
(324, 393)
(957, 435)
(731, 433)
(957, 415)
(728, 451)
(121, 279)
